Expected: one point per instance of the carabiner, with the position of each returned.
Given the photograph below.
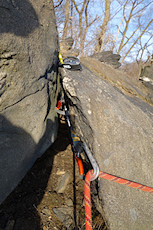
(92, 161)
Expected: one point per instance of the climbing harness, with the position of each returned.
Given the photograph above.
(70, 62)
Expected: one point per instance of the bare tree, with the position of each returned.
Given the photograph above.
(58, 3)
(122, 26)
(102, 33)
(135, 42)
(127, 22)
(59, 6)
(67, 19)
(133, 14)
(71, 20)
(84, 23)
(144, 49)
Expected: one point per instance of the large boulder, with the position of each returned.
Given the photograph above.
(126, 84)
(66, 48)
(117, 127)
(108, 57)
(146, 76)
(28, 86)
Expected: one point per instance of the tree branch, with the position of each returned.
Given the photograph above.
(58, 4)
(128, 39)
(137, 40)
(86, 16)
(126, 27)
(76, 6)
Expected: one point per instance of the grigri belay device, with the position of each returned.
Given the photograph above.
(70, 62)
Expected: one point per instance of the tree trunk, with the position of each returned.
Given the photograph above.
(103, 27)
(71, 20)
(67, 17)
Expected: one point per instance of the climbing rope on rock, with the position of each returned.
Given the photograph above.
(107, 176)
(78, 146)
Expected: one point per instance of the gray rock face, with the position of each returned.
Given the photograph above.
(67, 43)
(109, 58)
(119, 132)
(66, 48)
(65, 215)
(147, 72)
(28, 86)
(120, 80)
(146, 76)
(62, 183)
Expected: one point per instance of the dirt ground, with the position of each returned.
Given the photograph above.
(33, 205)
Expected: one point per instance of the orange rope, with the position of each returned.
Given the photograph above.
(59, 104)
(110, 177)
(87, 199)
(80, 166)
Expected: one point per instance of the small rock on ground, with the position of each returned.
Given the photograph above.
(46, 211)
(65, 215)
(69, 202)
(62, 183)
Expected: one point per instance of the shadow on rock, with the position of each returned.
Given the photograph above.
(17, 17)
(19, 210)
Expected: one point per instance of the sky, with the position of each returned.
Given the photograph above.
(96, 9)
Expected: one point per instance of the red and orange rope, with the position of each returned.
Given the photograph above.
(110, 177)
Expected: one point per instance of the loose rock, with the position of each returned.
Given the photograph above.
(109, 58)
(65, 215)
(63, 182)
(69, 202)
(46, 211)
